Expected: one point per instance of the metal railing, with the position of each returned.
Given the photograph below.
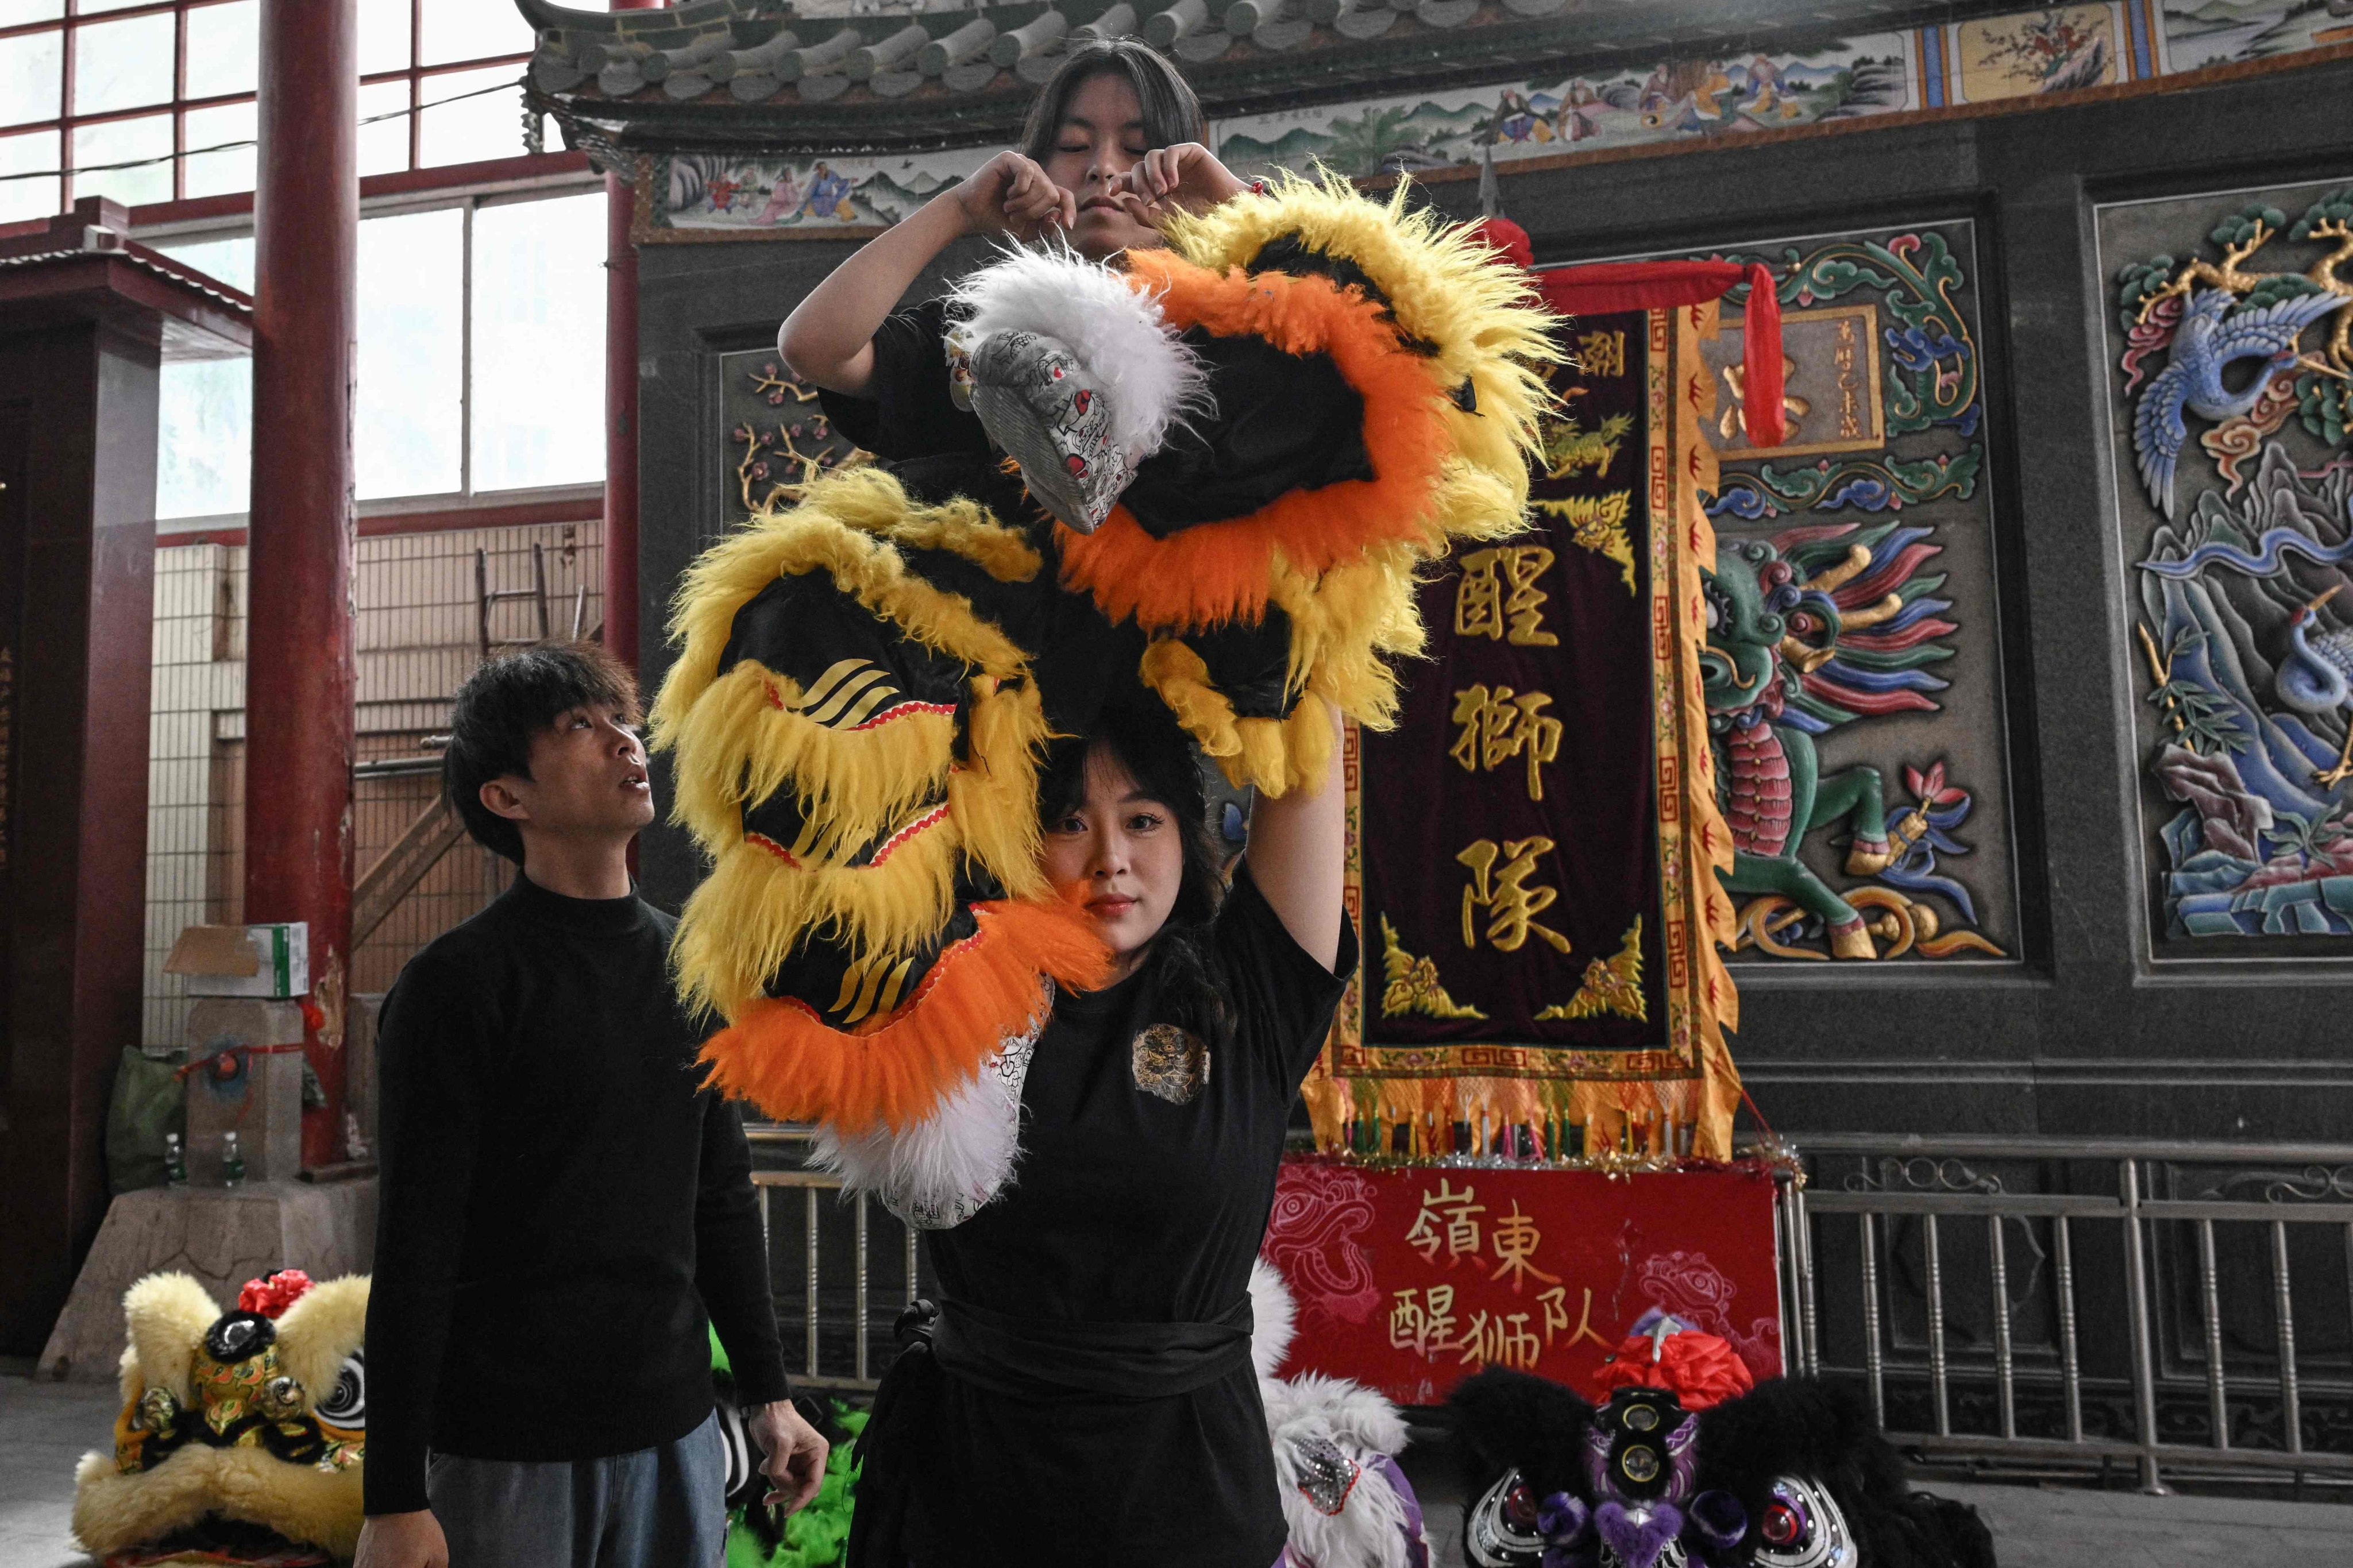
(815, 1188)
(1977, 1315)
(1878, 1223)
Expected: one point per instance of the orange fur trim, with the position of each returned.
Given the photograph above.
(1219, 571)
(779, 1056)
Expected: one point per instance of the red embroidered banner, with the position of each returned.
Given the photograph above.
(1409, 1279)
(1534, 848)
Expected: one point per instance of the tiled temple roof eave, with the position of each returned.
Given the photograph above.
(980, 100)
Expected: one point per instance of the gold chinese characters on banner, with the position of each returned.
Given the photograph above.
(1534, 847)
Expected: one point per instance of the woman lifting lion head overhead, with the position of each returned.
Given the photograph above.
(1151, 487)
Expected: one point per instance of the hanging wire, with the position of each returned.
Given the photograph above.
(247, 142)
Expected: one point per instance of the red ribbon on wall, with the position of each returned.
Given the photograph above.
(1597, 288)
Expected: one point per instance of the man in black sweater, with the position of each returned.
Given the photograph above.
(564, 1207)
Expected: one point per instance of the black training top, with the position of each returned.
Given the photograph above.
(1146, 1174)
(562, 1201)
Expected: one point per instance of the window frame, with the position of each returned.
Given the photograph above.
(414, 177)
(463, 507)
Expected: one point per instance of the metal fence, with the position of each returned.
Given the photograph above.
(841, 1268)
(2029, 1304)
(2073, 1304)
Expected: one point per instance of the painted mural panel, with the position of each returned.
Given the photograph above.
(2230, 352)
(1673, 101)
(728, 196)
(2222, 32)
(778, 438)
(1854, 683)
(2056, 50)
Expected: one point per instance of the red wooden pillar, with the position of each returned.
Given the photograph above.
(299, 666)
(84, 316)
(622, 410)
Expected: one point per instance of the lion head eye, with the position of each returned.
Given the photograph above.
(158, 1408)
(282, 1396)
(346, 1404)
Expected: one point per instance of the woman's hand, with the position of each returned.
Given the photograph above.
(1185, 176)
(1011, 195)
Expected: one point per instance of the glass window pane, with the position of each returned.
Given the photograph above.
(404, 426)
(16, 13)
(539, 344)
(384, 35)
(91, 7)
(224, 48)
(24, 153)
(204, 437)
(231, 169)
(122, 64)
(453, 30)
(145, 143)
(384, 145)
(32, 67)
(472, 128)
(230, 259)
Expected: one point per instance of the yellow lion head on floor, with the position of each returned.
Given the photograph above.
(242, 1433)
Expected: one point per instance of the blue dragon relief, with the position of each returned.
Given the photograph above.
(2244, 627)
(1827, 624)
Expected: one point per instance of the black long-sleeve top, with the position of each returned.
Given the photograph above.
(562, 1201)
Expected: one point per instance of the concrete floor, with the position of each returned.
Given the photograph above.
(46, 1427)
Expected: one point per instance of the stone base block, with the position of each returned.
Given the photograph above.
(222, 1235)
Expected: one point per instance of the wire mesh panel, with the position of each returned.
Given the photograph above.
(419, 632)
(198, 673)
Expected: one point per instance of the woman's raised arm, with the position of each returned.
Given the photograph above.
(830, 337)
(1297, 842)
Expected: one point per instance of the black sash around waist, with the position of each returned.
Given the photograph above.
(1021, 1358)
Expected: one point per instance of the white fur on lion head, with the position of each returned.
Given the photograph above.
(1273, 1318)
(1151, 381)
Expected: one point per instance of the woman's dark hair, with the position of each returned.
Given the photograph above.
(1171, 112)
(507, 701)
(1158, 756)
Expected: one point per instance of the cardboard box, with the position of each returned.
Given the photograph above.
(244, 960)
(257, 1094)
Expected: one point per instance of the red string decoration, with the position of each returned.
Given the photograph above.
(1599, 287)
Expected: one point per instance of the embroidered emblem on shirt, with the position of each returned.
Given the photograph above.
(1170, 1063)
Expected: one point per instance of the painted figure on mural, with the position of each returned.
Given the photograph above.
(2237, 377)
(1767, 629)
(828, 194)
(785, 197)
(941, 720)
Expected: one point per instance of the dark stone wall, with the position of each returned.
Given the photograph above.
(696, 302)
(2088, 1034)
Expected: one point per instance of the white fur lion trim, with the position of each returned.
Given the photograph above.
(945, 1169)
(1272, 1318)
(1151, 381)
(1326, 1433)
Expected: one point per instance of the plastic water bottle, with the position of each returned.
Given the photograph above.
(175, 1162)
(232, 1159)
